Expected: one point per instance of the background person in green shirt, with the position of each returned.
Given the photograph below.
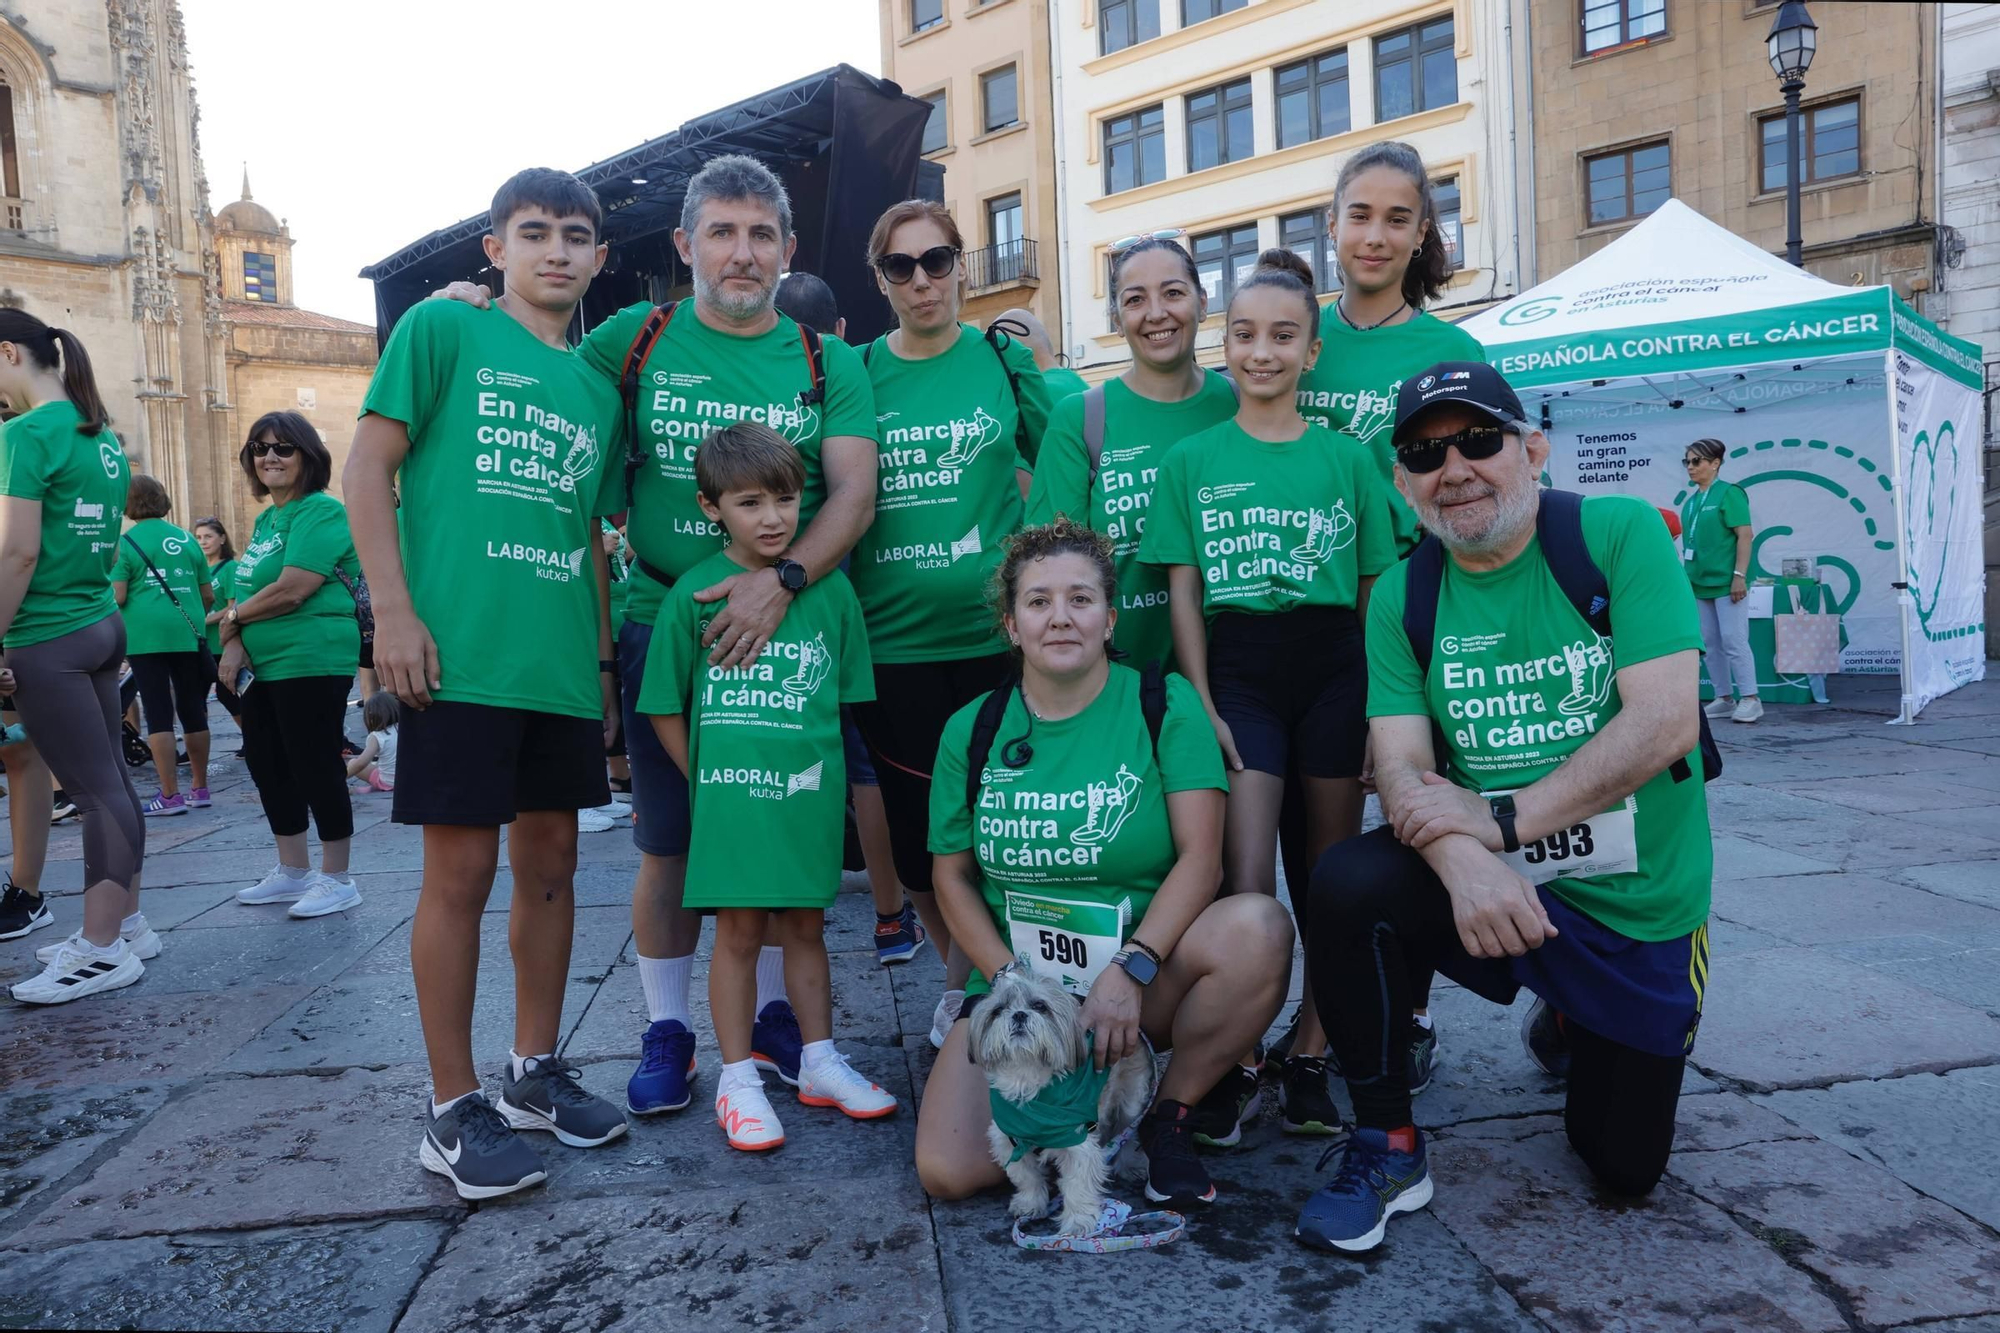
(63, 480)
(1025, 325)
(220, 554)
(1091, 851)
(961, 417)
(1561, 840)
(1715, 550)
(163, 593)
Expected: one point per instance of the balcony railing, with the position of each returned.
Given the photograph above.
(1003, 265)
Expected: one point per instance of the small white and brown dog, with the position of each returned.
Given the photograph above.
(1026, 1036)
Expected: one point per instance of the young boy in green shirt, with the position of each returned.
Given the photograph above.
(490, 593)
(762, 749)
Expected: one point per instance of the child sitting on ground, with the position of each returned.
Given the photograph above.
(376, 764)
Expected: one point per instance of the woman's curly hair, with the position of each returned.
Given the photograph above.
(1064, 536)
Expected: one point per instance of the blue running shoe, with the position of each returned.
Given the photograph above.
(1375, 1182)
(666, 1067)
(775, 1043)
(898, 940)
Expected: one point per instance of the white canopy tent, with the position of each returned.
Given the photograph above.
(1851, 421)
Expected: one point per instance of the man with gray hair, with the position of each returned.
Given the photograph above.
(1023, 324)
(1559, 841)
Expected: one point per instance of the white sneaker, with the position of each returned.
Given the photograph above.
(612, 810)
(78, 970)
(1749, 709)
(945, 1015)
(746, 1118)
(325, 895)
(1720, 707)
(277, 887)
(145, 945)
(589, 821)
(834, 1082)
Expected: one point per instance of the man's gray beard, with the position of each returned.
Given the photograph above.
(734, 307)
(1513, 513)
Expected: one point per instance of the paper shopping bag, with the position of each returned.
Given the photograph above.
(1806, 643)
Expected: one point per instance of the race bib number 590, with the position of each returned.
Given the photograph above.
(1069, 940)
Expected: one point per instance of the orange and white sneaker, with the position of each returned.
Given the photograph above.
(834, 1082)
(746, 1117)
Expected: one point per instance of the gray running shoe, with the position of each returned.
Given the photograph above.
(1542, 1038)
(547, 1096)
(1423, 1056)
(471, 1146)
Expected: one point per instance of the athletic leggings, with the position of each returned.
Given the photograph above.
(1379, 916)
(291, 744)
(66, 692)
(170, 684)
(913, 701)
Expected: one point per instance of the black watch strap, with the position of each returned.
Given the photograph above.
(1503, 815)
(792, 575)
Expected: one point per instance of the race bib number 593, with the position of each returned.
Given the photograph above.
(1604, 844)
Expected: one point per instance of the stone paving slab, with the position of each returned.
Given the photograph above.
(1967, 881)
(1944, 966)
(1824, 909)
(802, 1257)
(381, 908)
(1895, 1254)
(1740, 858)
(291, 953)
(1938, 1133)
(1847, 839)
(1528, 1211)
(349, 1279)
(1875, 797)
(133, 1035)
(46, 1135)
(1718, 1121)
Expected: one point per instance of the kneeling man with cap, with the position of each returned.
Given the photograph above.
(1532, 698)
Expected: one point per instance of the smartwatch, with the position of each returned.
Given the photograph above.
(1138, 966)
(1503, 815)
(791, 576)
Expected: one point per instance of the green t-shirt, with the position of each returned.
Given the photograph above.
(1084, 822)
(513, 454)
(769, 787)
(1271, 527)
(1352, 387)
(699, 380)
(319, 637)
(222, 579)
(81, 481)
(1137, 434)
(1063, 382)
(946, 496)
(619, 565)
(1708, 538)
(153, 624)
(1520, 682)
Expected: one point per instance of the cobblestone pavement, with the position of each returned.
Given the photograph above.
(231, 1143)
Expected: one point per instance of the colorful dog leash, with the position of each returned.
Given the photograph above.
(1114, 1231)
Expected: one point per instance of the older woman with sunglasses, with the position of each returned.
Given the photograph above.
(290, 649)
(961, 418)
(1715, 550)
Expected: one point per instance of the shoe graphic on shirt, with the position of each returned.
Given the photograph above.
(1372, 414)
(1325, 533)
(1108, 805)
(969, 437)
(1590, 676)
(815, 661)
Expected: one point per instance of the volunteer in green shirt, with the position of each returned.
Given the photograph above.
(1158, 302)
(1394, 258)
(220, 554)
(1025, 326)
(961, 417)
(1089, 849)
(1271, 530)
(1715, 550)
(63, 480)
(1561, 840)
(163, 590)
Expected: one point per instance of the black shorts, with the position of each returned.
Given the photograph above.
(173, 684)
(1293, 689)
(474, 764)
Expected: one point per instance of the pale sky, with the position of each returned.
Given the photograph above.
(369, 123)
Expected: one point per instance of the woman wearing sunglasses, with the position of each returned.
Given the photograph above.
(961, 416)
(1272, 529)
(292, 630)
(1715, 550)
(1158, 303)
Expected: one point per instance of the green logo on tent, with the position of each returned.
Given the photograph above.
(1531, 312)
(1931, 505)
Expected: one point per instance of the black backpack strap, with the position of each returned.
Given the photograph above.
(1425, 575)
(816, 361)
(998, 334)
(866, 348)
(1153, 701)
(985, 726)
(656, 323)
(1093, 433)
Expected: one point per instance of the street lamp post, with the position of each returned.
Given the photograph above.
(1793, 39)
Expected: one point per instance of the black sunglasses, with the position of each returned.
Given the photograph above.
(1474, 444)
(938, 262)
(283, 450)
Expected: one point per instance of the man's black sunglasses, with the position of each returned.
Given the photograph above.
(938, 262)
(1474, 444)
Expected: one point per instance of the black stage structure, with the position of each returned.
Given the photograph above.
(846, 144)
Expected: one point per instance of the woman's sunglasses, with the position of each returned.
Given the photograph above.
(283, 450)
(937, 262)
(1475, 444)
(1124, 243)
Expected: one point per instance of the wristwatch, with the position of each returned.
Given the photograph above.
(1503, 815)
(791, 575)
(1138, 966)
(230, 615)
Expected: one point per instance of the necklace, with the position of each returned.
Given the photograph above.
(1340, 308)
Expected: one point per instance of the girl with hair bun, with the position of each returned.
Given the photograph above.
(1272, 529)
(1383, 227)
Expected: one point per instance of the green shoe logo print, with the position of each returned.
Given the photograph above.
(1932, 505)
(1590, 676)
(1373, 413)
(969, 437)
(1108, 805)
(582, 455)
(1326, 533)
(814, 662)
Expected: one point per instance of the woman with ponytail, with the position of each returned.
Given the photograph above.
(1272, 530)
(63, 482)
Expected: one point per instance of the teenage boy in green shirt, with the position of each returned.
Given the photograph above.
(486, 621)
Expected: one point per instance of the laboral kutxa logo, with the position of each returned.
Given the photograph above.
(561, 566)
(766, 784)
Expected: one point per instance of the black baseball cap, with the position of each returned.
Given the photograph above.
(1472, 384)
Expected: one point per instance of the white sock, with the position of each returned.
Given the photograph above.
(105, 950)
(439, 1108)
(342, 878)
(770, 975)
(134, 924)
(520, 1064)
(295, 872)
(817, 1054)
(666, 981)
(1422, 1020)
(739, 1075)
